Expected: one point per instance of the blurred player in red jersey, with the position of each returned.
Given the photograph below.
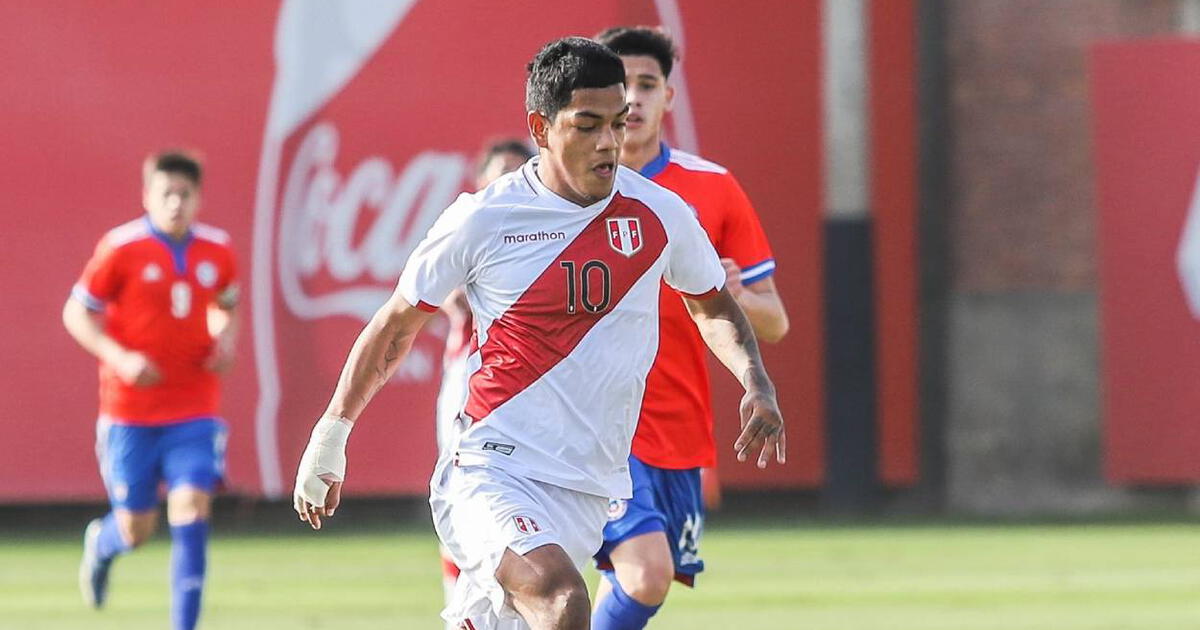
(156, 304)
(496, 159)
(653, 537)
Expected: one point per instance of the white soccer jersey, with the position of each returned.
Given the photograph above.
(565, 300)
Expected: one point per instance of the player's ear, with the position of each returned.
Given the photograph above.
(539, 127)
(670, 97)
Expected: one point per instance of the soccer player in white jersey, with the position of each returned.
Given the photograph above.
(562, 262)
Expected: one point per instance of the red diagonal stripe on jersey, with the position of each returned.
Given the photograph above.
(537, 332)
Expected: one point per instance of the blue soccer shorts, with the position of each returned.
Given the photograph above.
(134, 460)
(664, 500)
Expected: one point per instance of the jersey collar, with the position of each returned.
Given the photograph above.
(658, 164)
(529, 172)
(177, 247)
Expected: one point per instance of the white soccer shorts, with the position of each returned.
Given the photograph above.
(480, 511)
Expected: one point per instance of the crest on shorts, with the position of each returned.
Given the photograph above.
(625, 235)
(526, 525)
(617, 508)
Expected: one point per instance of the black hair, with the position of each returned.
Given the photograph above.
(500, 147)
(566, 65)
(642, 40)
(174, 161)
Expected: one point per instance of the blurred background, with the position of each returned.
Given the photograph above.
(979, 208)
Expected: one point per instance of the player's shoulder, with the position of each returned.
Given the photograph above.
(491, 204)
(124, 235)
(695, 164)
(661, 200)
(692, 174)
(206, 233)
(509, 189)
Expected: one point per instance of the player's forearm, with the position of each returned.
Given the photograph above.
(729, 335)
(87, 329)
(376, 354)
(766, 314)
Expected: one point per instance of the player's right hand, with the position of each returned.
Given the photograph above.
(762, 427)
(322, 470)
(136, 369)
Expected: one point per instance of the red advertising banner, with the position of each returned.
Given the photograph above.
(333, 134)
(1147, 153)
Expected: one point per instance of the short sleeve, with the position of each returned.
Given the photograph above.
(693, 267)
(442, 260)
(101, 279)
(742, 237)
(228, 287)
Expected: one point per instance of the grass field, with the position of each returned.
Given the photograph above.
(811, 576)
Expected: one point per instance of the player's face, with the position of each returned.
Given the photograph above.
(583, 143)
(172, 201)
(649, 99)
(498, 165)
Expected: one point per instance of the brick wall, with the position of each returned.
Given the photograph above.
(1022, 420)
(1023, 204)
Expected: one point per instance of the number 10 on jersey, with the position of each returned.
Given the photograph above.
(580, 284)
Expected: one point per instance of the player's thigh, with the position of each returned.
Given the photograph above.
(539, 574)
(194, 455)
(129, 459)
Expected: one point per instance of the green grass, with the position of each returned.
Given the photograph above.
(926, 577)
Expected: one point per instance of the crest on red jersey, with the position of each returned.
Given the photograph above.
(526, 525)
(625, 235)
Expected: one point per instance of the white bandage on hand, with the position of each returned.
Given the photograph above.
(324, 459)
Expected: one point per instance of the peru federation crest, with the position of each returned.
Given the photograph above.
(625, 235)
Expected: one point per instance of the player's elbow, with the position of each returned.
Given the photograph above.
(71, 313)
(774, 329)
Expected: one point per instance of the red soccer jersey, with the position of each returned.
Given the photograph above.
(155, 294)
(675, 427)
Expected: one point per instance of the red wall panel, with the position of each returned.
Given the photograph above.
(1147, 136)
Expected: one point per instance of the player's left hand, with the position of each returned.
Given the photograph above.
(220, 358)
(762, 427)
(733, 277)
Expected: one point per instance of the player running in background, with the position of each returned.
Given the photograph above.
(496, 159)
(156, 304)
(562, 263)
(654, 537)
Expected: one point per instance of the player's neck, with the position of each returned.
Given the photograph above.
(638, 156)
(557, 183)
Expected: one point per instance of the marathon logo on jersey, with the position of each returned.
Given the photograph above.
(534, 237)
(526, 525)
(625, 235)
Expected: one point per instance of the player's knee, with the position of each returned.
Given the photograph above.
(647, 581)
(188, 505)
(563, 600)
(136, 530)
(554, 592)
